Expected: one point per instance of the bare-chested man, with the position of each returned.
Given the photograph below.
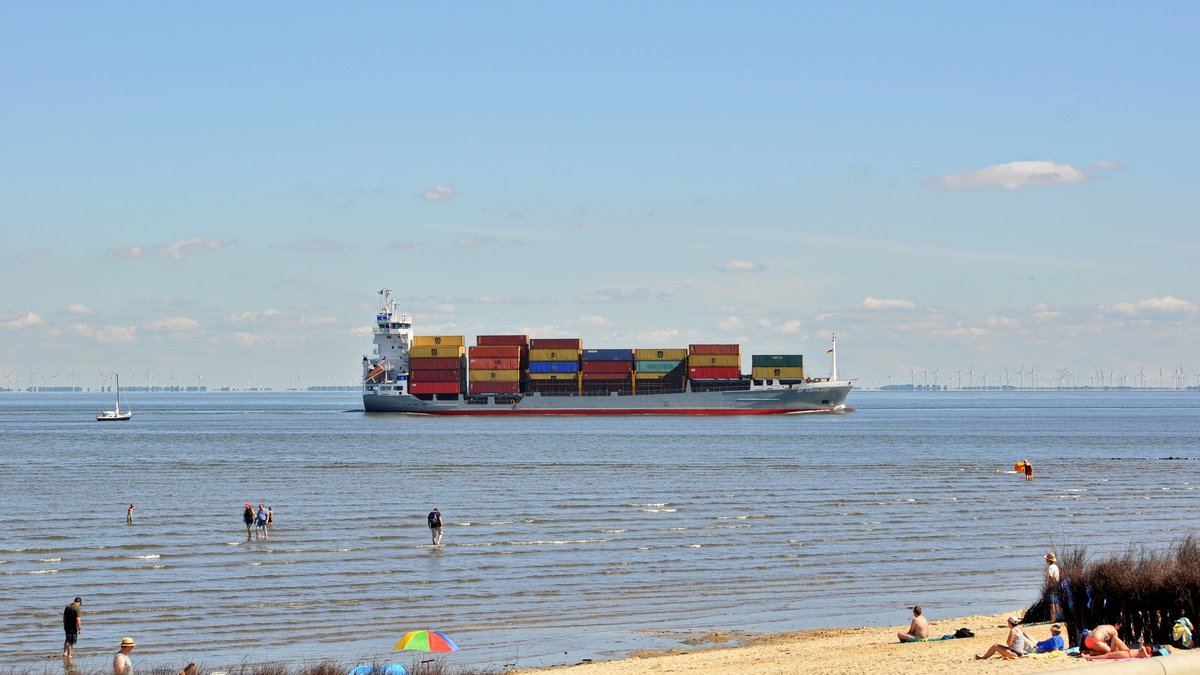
(917, 630)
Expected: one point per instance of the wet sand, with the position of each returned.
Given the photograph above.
(833, 651)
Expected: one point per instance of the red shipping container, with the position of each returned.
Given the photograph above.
(495, 387)
(715, 373)
(556, 343)
(495, 364)
(434, 388)
(608, 367)
(714, 350)
(435, 363)
(442, 375)
(498, 352)
(501, 340)
(591, 377)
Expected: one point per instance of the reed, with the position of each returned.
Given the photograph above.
(1143, 589)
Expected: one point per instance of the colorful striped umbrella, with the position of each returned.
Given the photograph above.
(426, 641)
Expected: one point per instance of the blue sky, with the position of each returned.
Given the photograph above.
(215, 194)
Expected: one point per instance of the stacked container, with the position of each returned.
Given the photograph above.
(554, 365)
(783, 367)
(496, 362)
(607, 370)
(436, 364)
(714, 366)
(659, 371)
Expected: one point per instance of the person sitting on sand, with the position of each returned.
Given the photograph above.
(1102, 640)
(1054, 642)
(918, 630)
(1016, 645)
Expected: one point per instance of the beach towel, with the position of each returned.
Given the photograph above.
(1182, 633)
(1047, 655)
(929, 639)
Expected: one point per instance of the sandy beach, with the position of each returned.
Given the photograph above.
(833, 651)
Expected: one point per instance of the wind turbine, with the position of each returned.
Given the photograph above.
(1033, 376)
(1021, 378)
(958, 375)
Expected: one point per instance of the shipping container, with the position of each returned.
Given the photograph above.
(725, 349)
(555, 354)
(502, 340)
(443, 375)
(607, 355)
(777, 360)
(714, 373)
(435, 363)
(607, 367)
(496, 352)
(434, 387)
(656, 366)
(495, 387)
(561, 377)
(494, 364)
(660, 354)
(438, 341)
(606, 376)
(436, 352)
(553, 367)
(495, 375)
(556, 343)
(714, 360)
(650, 376)
(767, 373)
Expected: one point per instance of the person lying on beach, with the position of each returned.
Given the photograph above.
(1016, 645)
(1103, 639)
(917, 630)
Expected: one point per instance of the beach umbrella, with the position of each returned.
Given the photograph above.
(426, 641)
(390, 669)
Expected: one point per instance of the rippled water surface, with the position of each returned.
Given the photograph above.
(566, 538)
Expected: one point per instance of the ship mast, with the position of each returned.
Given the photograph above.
(833, 376)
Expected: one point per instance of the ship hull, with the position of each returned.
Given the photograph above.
(828, 397)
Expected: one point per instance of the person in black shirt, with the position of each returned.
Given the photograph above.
(435, 527)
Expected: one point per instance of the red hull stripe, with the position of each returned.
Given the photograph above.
(663, 411)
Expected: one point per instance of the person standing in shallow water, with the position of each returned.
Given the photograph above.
(248, 519)
(129, 514)
(260, 523)
(72, 624)
(1028, 470)
(435, 526)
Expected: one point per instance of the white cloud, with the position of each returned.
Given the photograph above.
(401, 245)
(133, 251)
(886, 304)
(594, 321)
(175, 250)
(471, 241)
(731, 323)
(618, 295)
(1164, 305)
(107, 334)
(1003, 322)
(254, 339)
(1014, 176)
(1107, 165)
(315, 245)
(439, 193)
(739, 265)
(445, 308)
(789, 327)
(251, 317)
(660, 336)
(79, 309)
(318, 320)
(27, 320)
(174, 324)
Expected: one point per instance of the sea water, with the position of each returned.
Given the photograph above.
(565, 538)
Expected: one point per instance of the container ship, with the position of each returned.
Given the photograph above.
(520, 375)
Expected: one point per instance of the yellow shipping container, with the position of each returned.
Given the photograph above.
(554, 354)
(495, 375)
(430, 352)
(659, 354)
(650, 376)
(709, 360)
(438, 341)
(561, 377)
(769, 373)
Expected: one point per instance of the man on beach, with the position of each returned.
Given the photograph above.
(121, 663)
(1055, 641)
(72, 624)
(435, 526)
(1052, 579)
(917, 630)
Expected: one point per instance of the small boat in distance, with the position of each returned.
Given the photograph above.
(115, 415)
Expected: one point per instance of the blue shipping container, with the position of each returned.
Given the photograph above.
(553, 367)
(608, 355)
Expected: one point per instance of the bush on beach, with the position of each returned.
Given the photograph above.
(1142, 589)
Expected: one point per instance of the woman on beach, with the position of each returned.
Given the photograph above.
(1103, 640)
(1016, 645)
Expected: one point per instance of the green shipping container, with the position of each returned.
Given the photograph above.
(777, 361)
(655, 366)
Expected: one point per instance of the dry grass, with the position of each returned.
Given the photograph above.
(1142, 589)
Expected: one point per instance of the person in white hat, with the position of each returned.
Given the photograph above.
(1052, 578)
(121, 663)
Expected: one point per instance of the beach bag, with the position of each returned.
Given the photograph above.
(1182, 633)
(963, 633)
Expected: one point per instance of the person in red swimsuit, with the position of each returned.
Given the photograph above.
(1103, 639)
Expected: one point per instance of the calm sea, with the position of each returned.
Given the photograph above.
(566, 538)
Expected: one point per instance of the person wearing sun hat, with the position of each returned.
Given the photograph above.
(1052, 579)
(121, 663)
(1054, 642)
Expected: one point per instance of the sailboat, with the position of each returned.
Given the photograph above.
(115, 415)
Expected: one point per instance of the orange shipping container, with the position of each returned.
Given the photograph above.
(495, 364)
(434, 388)
(725, 349)
(495, 352)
